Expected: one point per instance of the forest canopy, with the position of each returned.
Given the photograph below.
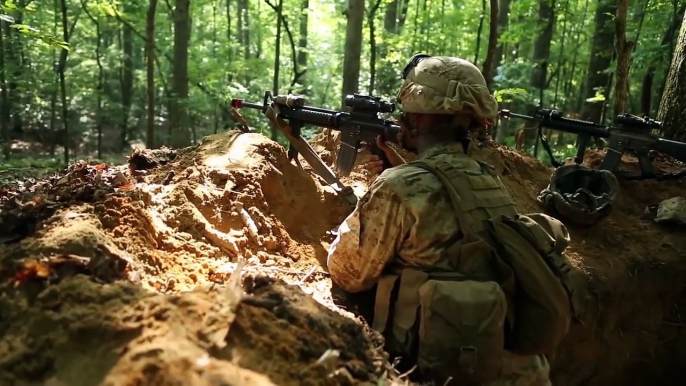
(89, 72)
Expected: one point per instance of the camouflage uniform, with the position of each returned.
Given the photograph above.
(406, 218)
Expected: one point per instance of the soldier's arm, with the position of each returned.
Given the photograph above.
(368, 239)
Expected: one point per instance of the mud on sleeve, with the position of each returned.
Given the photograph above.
(368, 239)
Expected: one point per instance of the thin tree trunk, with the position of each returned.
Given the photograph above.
(63, 85)
(150, 72)
(597, 80)
(101, 77)
(478, 33)
(490, 61)
(178, 115)
(503, 23)
(126, 81)
(5, 100)
(353, 48)
(302, 45)
(623, 50)
(372, 46)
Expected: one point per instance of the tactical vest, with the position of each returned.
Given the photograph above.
(453, 322)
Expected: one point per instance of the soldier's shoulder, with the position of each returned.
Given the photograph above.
(408, 180)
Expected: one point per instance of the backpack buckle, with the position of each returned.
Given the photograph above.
(467, 358)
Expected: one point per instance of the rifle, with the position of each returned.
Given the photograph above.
(631, 134)
(361, 124)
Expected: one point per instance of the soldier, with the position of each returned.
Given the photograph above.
(407, 222)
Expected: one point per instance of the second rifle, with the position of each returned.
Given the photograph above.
(631, 134)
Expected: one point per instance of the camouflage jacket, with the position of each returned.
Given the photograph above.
(405, 218)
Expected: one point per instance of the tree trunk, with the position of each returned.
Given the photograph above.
(601, 58)
(503, 22)
(15, 63)
(101, 77)
(126, 80)
(277, 53)
(150, 72)
(302, 45)
(63, 86)
(353, 48)
(647, 85)
(623, 50)
(387, 72)
(5, 104)
(178, 115)
(372, 46)
(478, 30)
(53, 94)
(541, 54)
(672, 111)
(489, 62)
(243, 27)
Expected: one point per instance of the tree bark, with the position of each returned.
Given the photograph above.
(672, 111)
(150, 72)
(648, 79)
(601, 58)
(243, 27)
(490, 61)
(178, 115)
(387, 72)
(5, 104)
(623, 50)
(503, 23)
(353, 48)
(372, 46)
(546, 16)
(63, 85)
(101, 76)
(126, 80)
(302, 45)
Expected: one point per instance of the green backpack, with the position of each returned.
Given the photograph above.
(462, 331)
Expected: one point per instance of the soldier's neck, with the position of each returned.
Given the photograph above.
(426, 142)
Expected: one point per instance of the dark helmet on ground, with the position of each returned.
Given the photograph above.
(580, 195)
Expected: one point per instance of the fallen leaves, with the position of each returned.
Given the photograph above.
(55, 268)
(24, 204)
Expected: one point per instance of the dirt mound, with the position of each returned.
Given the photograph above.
(117, 275)
(126, 275)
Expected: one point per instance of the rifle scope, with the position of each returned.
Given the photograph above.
(368, 103)
(634, 121)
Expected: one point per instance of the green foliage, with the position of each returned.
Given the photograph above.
(227, 67)
(25, 29)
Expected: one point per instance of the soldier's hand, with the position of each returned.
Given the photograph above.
(375, 164)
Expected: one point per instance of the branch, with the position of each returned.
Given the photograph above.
(296, 73)
(375, 7)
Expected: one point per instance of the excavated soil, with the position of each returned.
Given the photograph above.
(205, 266)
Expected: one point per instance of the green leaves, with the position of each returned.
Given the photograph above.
(28, 30)
(510, 94)
(50, 40)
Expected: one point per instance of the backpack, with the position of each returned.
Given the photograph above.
(517, 299)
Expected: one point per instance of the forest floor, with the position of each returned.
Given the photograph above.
(206, 266)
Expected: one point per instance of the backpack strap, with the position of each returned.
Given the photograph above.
(455, 199)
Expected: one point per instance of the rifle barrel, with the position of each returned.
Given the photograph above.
(674, 149)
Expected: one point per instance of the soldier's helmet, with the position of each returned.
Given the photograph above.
(446, 85)
(580, 195)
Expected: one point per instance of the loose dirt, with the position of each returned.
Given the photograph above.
(205, 266)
